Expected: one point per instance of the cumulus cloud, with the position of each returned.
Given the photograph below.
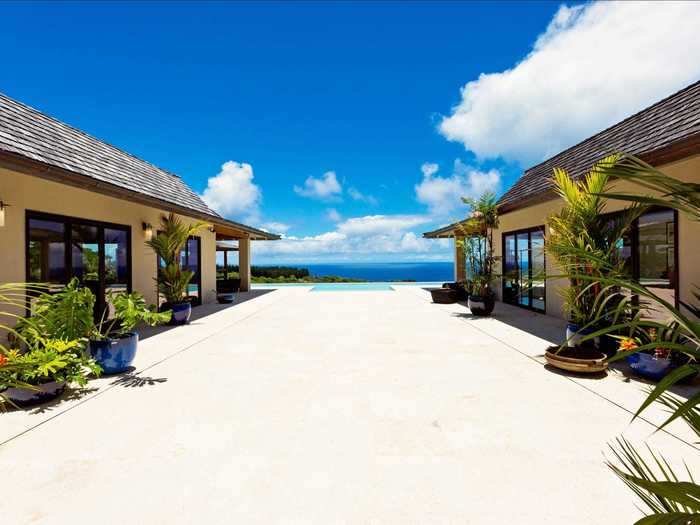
(323, 188)
(443, 195)
(357, 195)
(594, 65)
(333, 215)
(360, 237)
(275, 227)
(232, 192)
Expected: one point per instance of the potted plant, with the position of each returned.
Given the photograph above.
(113, 342)
(585, 242)
(173, 280)
(648, 354)
(477, 245)
(41, 372)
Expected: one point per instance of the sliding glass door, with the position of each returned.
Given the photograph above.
(98, 254)
(524, 269)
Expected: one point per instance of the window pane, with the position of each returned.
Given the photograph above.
(85, 253)
(657, 265)
(538, 269)
(510, 271)
(47, 251)
(191, 263)
(523, 253)
(116, 257)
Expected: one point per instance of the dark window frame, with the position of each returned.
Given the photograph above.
(197, 275)
(529, 232)
(68, 222)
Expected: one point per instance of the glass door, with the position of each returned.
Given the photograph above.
(523, 269)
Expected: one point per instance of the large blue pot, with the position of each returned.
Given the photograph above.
(115, 355)
(181, 312)
(650, 367)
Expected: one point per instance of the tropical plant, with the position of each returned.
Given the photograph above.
(172, 280)
(50, 360)
(585, 241)
(669, 499)
(477, 242)
(66, 314)
(130, 309)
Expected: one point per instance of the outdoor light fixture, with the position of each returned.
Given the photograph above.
(148, 230)
(3, 205)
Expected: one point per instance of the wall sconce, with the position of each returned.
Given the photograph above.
(148, 231)
(3, 205)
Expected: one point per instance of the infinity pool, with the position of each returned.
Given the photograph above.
(352, 287)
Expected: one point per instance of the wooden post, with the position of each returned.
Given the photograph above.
(244, 263)
(460, 262)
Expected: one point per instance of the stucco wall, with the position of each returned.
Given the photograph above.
(688, 235)
(24, 192)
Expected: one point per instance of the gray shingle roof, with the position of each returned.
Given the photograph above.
(669, 121)
(27, 132)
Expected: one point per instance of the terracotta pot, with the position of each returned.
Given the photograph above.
(443, 295)
(576, 364)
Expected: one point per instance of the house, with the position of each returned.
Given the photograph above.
(662, 246)
(73, 205)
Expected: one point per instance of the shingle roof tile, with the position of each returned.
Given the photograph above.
(30, 133)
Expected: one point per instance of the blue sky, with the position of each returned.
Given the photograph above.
(342, 125)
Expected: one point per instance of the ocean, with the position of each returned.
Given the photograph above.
(382, 272)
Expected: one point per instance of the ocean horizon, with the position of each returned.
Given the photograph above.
(380, 271)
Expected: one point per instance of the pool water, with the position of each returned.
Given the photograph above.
(352, 287)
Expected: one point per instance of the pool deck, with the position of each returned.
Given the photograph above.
(366, 407)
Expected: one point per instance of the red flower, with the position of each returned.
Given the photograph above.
(661, 353)
(3, 360)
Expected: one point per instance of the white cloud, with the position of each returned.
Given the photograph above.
(357, 195)
(333, 215)
(594, 65)
(232, 192)
(324, 188)
(359, 238)
(443, 195)
(275, 227)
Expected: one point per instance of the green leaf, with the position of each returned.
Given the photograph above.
(672, 518)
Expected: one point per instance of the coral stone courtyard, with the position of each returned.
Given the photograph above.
(293, 406)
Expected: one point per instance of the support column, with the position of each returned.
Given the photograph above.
(244, 263)
(460, 262)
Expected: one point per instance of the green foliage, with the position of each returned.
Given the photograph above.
(49, 360)
(585, 241)
(477, 243)
(172, 280)
(670, 499)
(66, 315)
(130, 309)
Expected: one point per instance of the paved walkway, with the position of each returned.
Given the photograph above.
(335, 407)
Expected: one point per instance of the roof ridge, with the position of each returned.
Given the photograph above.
(617, 124)
(85, 134)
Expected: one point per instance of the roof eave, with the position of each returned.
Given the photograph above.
(42, 170)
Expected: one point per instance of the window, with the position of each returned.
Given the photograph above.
(524, 269)
(649, 250)
(98, 254)
(190, 259)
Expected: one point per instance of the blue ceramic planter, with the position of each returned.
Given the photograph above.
(648, 366)
(115, 355)
(181, 313)
(573, 336)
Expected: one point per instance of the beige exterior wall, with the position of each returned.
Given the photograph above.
(688, 235)
(24, 192)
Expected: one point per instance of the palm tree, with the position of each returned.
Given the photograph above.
(172, 280)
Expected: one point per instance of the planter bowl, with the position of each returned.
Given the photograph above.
(115, 355)
(181, 312)
(648, 366)
(481, 305)
(443, 295)
(576, 364)
(25, 397)
(462, 294)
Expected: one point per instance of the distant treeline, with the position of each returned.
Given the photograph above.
(284, 274)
